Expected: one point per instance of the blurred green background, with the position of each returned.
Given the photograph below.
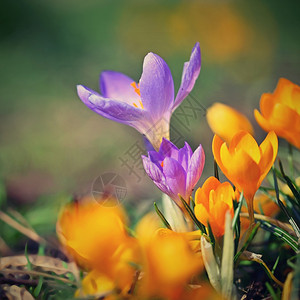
(53, 147)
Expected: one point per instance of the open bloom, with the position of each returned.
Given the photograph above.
(169, 261)
(96, 237)
(148, 105)
(245, 163)
(175, 171)
(212, 201)
(280, 111)
(225, 121)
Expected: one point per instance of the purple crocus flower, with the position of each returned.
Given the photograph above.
(148, 105)
(175, 171)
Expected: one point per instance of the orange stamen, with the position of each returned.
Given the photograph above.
(136, 88)
(162, 164)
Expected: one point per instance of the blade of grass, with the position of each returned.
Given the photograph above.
(38, 288)
(237, 211)
(211, 235)
(162, 217)
(284, 236)
(192, 215)
(29, 264)
(248, 241)
(289, 182)
(283, 208)
(271, 291)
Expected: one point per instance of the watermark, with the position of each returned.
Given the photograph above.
(109, 189)
(180, 126)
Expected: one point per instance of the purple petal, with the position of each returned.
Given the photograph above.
(156, 86)
(168, 149)
(184, 156)
(164, 188)
(148, 145)
(175, 176)
(152, 170)
(112, 109)
(155, 157)
(117, 86)
(84, 93)
(191, 70)
(195, 168)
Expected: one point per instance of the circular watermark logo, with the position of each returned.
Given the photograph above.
(109, 189)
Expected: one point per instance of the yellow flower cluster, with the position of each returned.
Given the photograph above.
(155, 263)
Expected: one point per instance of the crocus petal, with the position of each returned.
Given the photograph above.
(244, 140)
(168, 149)
(184, 156)
(195, 168)
(202, 193)
(190, 73)
(152, 170)
(117, 111)
(216, 146)
(117, 86)
(201, 213)
(175, 176)
(269, 148)
(156, 86)
(242, 170)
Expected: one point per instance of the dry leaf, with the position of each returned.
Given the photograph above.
(13, 292)
(46, 263)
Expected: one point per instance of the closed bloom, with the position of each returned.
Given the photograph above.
(148, 105)
(175, 171)
(212, 201)
(280, 111)
(225, 121)
(245, 163)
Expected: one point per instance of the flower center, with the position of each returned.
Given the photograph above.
(137, 90)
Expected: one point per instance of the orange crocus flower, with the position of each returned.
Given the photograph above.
(212, 201)
(168, 263)
(96, 237)
(225, 121)
(245, 163)
(280, 111)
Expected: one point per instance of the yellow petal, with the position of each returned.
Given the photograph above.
(225, 121)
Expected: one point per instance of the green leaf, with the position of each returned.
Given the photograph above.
(210, 263)
(227, 259)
